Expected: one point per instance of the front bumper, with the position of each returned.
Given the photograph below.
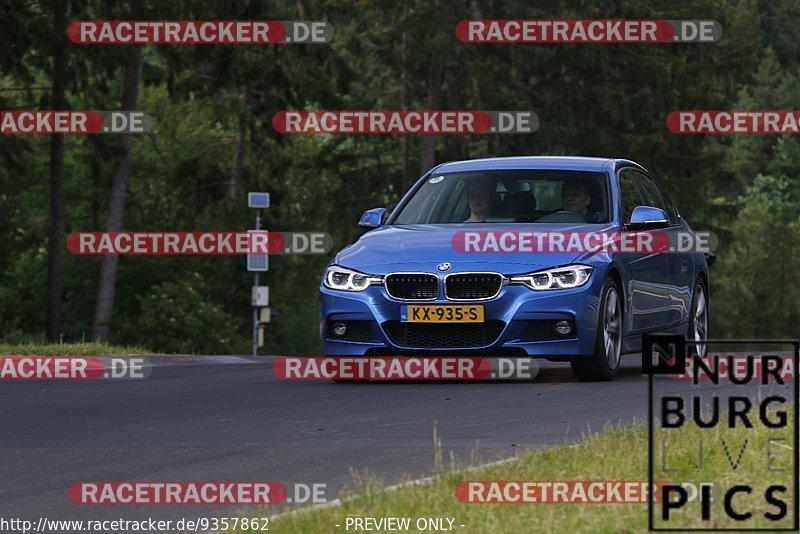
(511, 318)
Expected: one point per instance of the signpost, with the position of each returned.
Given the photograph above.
(258, 263)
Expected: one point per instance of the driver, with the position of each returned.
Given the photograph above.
(575, 197)
(480, 195)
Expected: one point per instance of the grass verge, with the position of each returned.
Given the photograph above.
(615, 454)
(67, 349)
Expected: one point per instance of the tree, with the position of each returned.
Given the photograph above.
(55, 242)
(101, 328)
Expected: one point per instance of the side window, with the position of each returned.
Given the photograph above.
(650, 193)
(629, 194)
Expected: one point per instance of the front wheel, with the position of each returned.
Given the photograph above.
(604, 363)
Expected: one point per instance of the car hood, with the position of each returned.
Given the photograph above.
(424, 246)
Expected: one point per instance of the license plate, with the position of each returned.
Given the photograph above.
(443, 314)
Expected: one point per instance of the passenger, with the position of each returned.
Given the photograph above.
(480, 196)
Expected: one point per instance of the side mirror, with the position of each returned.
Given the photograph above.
(648, 218)
(710, 258)
(372, 218)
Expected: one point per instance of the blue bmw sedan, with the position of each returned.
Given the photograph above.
(512, 257)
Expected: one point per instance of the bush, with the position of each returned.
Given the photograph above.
(175, 317)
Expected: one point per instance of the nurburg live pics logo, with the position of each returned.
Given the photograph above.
(745, 431)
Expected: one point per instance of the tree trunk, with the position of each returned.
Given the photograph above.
(55, 233)
(405, 102)
(435, 80)
(101, 326)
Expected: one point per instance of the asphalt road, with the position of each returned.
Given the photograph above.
(235, 421)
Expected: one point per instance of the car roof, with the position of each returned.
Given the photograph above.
(575, 163)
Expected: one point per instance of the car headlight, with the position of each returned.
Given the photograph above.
(343, 279)
(565, 277)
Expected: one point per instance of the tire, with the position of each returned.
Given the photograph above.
(698, 320)
(604, 362)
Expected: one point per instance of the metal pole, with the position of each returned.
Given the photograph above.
(255, 309)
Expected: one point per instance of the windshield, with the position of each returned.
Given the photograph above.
(509, 196)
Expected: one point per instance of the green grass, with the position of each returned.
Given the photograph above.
(67, 349)
(615, 454)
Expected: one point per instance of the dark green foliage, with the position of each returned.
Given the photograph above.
(591, 99)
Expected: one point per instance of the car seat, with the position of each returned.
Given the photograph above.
(599, 203)
(519, 204)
